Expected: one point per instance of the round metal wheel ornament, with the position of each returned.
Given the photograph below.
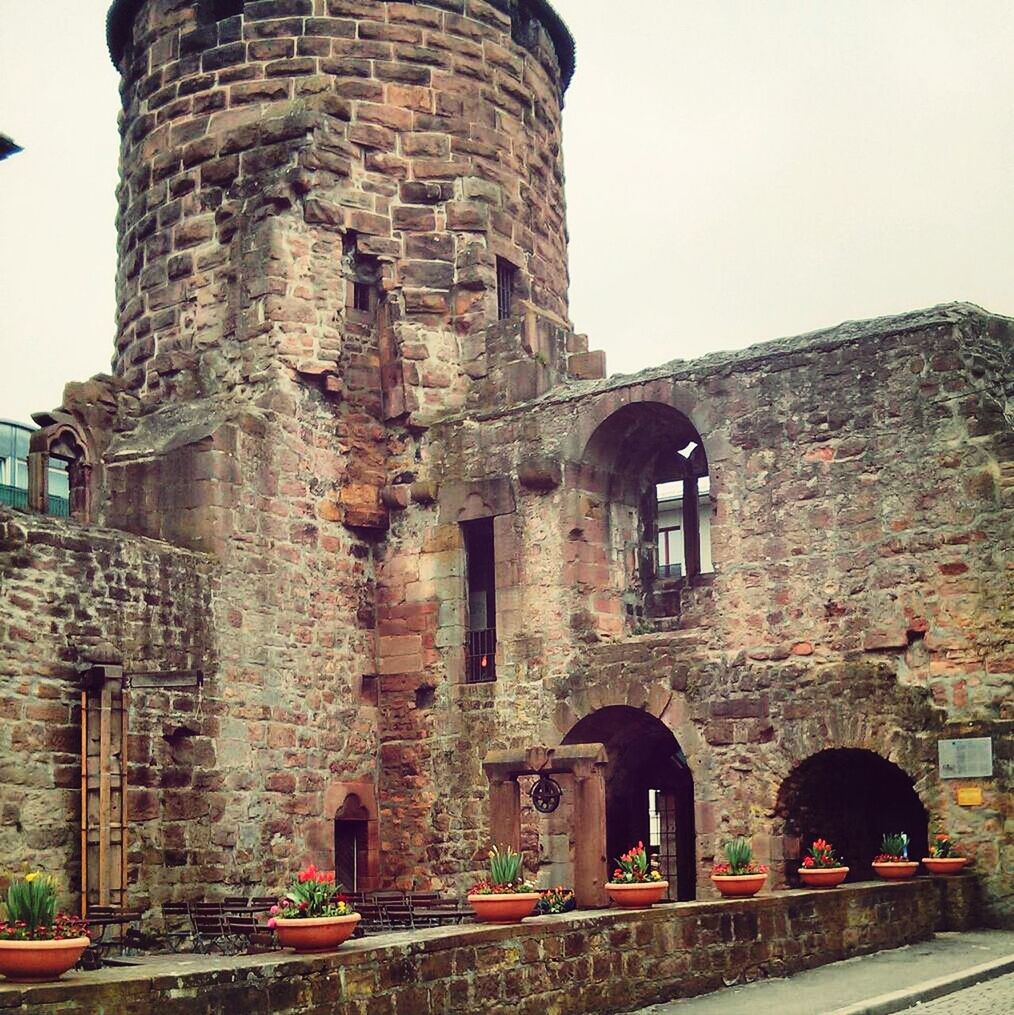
(546, 794)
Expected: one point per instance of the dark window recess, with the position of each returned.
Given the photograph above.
(505, 276)
(480, 591)
(363, 270)
(361, 296)
(210, 11)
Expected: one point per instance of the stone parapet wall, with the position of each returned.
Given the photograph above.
(575, 964)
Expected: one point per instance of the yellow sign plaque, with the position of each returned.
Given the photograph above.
(970, 796)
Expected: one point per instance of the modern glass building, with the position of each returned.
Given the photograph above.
(14, 438)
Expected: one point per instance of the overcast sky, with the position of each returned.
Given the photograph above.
(737, 171)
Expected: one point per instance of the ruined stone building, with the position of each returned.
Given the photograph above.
(357, 510)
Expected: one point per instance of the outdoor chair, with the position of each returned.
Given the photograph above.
(176, 927)
(210, 931)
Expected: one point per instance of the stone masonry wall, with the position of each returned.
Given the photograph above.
(578, 963)
(267, 154)
(861, 484)
(65, 590)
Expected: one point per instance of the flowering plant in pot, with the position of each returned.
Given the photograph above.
(945, 856)
(37, 943)
(504, 896)
(555, 900)
(821, 868)
(892, 861)
(313, 916)
(636, 881)
(740, 875)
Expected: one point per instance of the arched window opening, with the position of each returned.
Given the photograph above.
(849, 797)
(649, 792)
(59, 472)
(649, 460)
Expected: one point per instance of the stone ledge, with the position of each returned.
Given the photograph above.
(603, 961)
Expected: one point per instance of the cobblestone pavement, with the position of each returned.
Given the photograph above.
(995, 997)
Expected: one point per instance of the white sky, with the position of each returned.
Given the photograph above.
(737, 171)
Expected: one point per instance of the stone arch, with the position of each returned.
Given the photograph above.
(65, 442)
(352, 809)
(640, 529)
(850, 796)
(649, 790)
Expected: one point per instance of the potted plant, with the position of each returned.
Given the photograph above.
(945, 857)
(636, 883)
(503, 897)
(740, 875)
(821, 868)
(36, 942)
(555, 900)
(892, 861)
(313, 916)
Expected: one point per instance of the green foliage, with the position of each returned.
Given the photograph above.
(894, 844)
(504, 866)
(32, 900)
(739, 853)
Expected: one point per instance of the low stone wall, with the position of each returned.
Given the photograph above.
(583, 962)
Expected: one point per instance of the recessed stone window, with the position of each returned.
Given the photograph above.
(506, 279)
(480, 593)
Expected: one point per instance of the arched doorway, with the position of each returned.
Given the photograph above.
(649, 791)
(351, 844)
(851, 797)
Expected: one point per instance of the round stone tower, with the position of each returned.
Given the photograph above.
(357, 195)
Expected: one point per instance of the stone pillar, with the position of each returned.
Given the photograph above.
(691, 528)
(590, 833)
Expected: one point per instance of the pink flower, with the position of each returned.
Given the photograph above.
(272, 923)
(275, 910)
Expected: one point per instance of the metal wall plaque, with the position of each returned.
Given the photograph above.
(969, 758)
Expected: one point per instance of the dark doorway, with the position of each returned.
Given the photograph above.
(851, 798)
(350, 844)
(649, 792)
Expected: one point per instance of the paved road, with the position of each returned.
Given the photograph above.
(842, 984)
(995, 997)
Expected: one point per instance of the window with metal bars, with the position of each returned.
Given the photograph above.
(480, 592)
(506, 274)
(361, 294)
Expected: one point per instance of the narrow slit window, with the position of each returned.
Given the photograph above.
(480, 592)
(361, 296)
(505, 277)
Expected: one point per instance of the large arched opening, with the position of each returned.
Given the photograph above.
(648, 460)
(850, 797)
(649, 791)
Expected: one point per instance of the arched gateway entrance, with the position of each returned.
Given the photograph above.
(649, 791)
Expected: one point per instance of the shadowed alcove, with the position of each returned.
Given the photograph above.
(850, 797)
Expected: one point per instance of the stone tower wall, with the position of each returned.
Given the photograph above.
(260, 150)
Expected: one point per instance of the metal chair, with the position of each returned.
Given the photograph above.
(176, 926)
(210, 931)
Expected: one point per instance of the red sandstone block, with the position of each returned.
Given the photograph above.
(587, 365)
(440, 169)
(387, 115)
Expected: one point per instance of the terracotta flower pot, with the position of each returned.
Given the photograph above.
(822, 877)
(944, 864)
(316, 933)
(508, 908)
(38, 961)
(739, 885)
(638, 895)
(897, 869)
